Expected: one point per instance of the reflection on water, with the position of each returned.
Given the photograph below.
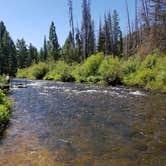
(66, 124)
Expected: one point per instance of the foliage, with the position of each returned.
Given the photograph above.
(36, 71)
(5, 105)
(8, 62)
(53, 44)
(88, 68)
(2, 79)
(130, 67)
(60, 71)
(149, 62)
(69, 52)
(110, 70)
(149, 73)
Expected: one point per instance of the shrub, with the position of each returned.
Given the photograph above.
(5, 104)
(149, 62)
(131, 65)
(39, 70)
(88, 68)
(129, 68)
(110, 70)
(60, 71)
(160, 79)
(94, 79)
(4, 117)
(143, 77)
(36, 71)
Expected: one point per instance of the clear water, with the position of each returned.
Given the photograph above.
(67, 124)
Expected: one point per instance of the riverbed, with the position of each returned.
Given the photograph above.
(68, 124)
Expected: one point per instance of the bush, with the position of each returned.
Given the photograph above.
(39, 70)
(149, 74)
(94, 79)
(149, 62)
(160, 79)
(143, 77)
(88, 68)
(5, 104)
(60, 71)
(129, 68)
(36, 71)
(110, 70)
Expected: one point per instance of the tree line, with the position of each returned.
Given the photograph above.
(145, 33)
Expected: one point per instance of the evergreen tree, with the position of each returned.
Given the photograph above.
(101, 38)
(71, 21)
(116, 33)
(87, 30)
(54, 47)
(22, 54)
(92, 43)
(32, 55)
(107, 33)
(111, 33)
(8, 61)
(120, 45)
(69, 54)
(78, 46)
(45, 51)
(41, 54)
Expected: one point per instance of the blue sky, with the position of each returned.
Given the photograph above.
(31, 19)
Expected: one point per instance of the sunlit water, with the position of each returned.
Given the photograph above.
(67, 124)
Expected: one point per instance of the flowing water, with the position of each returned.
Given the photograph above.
(67, 124)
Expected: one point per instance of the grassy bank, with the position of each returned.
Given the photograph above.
(148, 73)
(5, 105)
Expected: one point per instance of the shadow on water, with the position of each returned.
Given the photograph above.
(68, 124)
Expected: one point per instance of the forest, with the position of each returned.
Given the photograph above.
(145, 36)
(105, 81)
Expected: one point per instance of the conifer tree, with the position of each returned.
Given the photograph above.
(78, 46)
(8, 61)
(101, 38)
(45, 51)
(54, 47)
(68, 49)
(22, 54)
(87, 30)
(117, 34)
(107, 33)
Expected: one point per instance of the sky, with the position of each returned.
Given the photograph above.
(31, 19)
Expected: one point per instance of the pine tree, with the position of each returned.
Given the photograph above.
(54, 47)
(8, 62)
(32, 55)
(91, 43)
(111, 33)
(71, 21)
(22, 54)
(101, 39)
(116, 33)
(41, 54)
(45, 51)
(78, 47)
(87, 30)
(69, 54)
(107, 33)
